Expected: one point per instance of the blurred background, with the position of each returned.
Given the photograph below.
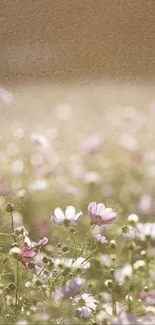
(87, 54)
(82, 74)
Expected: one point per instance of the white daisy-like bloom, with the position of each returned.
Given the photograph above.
(87, 305)
(143, 230)
(69, 262)
(123, 273)
(69, 217)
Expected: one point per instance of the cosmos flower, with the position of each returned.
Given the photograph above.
(101, 239)
(100, 215)
(87, 305)
(70, 289)
(69, 217)
(79, 263)
(123, 273)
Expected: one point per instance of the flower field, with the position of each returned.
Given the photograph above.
(77, 228)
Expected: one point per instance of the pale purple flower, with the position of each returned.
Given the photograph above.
(87, 305)
(70, 289)
(100, 215)
(101, 239)
(69, 217)
(124, 273)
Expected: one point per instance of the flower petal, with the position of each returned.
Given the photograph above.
(76, 217)
(92, 208)
(100, 208)
(70, 212)
(59, 215)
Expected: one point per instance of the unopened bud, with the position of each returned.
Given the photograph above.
(146, 289)
(65, 249)
(72, 230)
(133, 219)
(125, 229)
(9, 207)
(19, 231)
(129, 299)
(45, 259)
(16, 253)
(111, 272)
(112, 244)
(31, 265)
(108, 283)
(11, 286)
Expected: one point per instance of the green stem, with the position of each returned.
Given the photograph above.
(12, 225)
(114, 312)
(89, 256)
(17, 282)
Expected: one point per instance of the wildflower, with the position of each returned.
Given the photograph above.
(27, 254)
(87, 305)
(70, 289)
(101, 239)
(92, 144)
(69, 217)
(123, 273)
(79, 263)
(100, 215)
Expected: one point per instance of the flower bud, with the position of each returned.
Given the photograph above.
(125, 229)
(108, 283)
(11, 286)
(59, 245)
(65, 249)
(113, 257)
(112, 244)
(128, 298)
(72, 230)
(16, 253)
(111, 272)
(9, 207)
(132, 246)
(19, 231)
(146, 289)
(45, 259)
(133, 219)
(38, 283)
(143, 253)
(31, 265)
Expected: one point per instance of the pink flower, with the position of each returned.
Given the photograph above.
(27, 254)
(99, 215)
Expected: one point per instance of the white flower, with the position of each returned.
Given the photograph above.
(40, 140)
(139, 264)
(123, 273)
(69, 217)
(69, 262)
(133, 218)
(38, 185)
(87, 305)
